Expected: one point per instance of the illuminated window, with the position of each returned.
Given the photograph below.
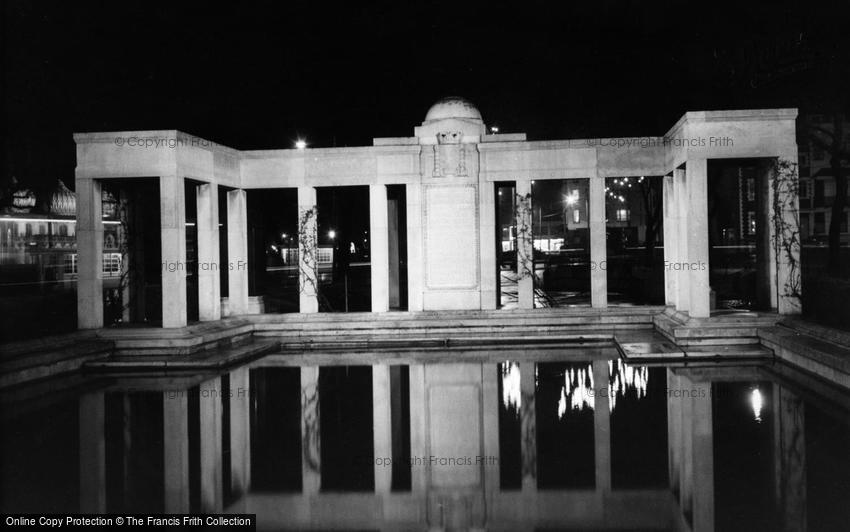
(576, 216)
(623, 215)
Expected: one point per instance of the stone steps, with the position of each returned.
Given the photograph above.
(183, 341)
(731, 330)
(213, 359)
(40, 360)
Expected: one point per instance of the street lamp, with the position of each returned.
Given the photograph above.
(331, 234)
(300, 144)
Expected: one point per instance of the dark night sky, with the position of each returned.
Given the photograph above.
(259, 75)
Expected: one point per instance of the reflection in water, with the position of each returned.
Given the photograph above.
(757, 403)
(577, 390)
(624, 377)
(565, 436)
(511, 394)
(756, 453)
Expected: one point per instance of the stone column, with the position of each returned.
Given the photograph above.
(487, 246)
(598, 245)
(415, 260)
(175, 437)
(680, 199)
(528, 427)
(703, 458)
(785, 233)
(240, 431)
(237, 252)
(89, 254)
(210, 439)
(172, 215)
(790, 449)
(418, 430)
(382, 434)
(670, 227)
(308, 242)
(209, 287)
(602, 426)
(525, 245)
(311, 466)
(92, 453)
(379, 248)
(696, 179)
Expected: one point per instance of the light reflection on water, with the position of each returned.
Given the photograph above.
(577, 391)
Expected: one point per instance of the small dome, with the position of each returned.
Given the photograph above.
(63, 202)
(453, 107)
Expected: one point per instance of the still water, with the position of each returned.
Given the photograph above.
(553, 439)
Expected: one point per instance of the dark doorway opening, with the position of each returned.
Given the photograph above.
(343, 254)
(273, 248)
(397, 245)
(506, 267)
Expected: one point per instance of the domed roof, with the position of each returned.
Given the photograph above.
(63, 201)
(453, 107)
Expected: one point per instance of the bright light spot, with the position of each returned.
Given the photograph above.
(511, 390)
(757, 402)
(572, 198)
(494, 129)
(301, 144)
(284, 235)
(331, 234)
(532, 181)
(352, 249)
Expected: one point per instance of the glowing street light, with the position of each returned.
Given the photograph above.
(331, 234)
(494, 129)
(300, 144)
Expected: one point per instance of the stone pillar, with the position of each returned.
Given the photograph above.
(379, 248)
(680, 199)
(696, 180)
(89, 254)
(308, 244)
(602, 426)
(237, 252)
(487, 246)
(703, 458)
(790, 450)
(92, 453)
(598, 245)
(311, 466)
(785, 233)
(393, 254)
(175, 437)
(670, 228)
(240, 431)
(382, 434)
(528, 426)
(210, 439)
(415, 260)
(418, 429)
(209, 287)
(525, 245)
(172, 215)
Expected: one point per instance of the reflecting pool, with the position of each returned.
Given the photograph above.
(509, 439)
